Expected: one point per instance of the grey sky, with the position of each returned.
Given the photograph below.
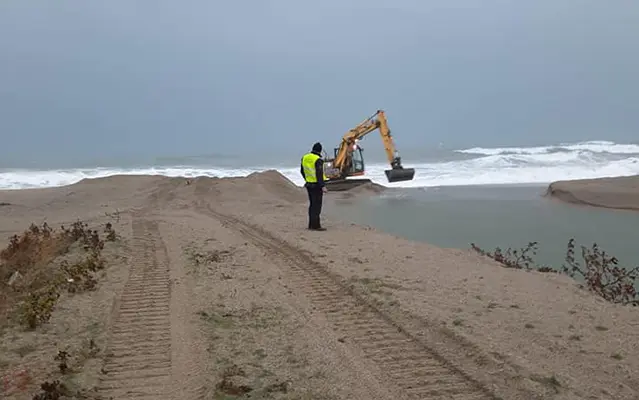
(96, 79)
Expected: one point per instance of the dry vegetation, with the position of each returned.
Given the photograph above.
(599, 272)
(36, 267)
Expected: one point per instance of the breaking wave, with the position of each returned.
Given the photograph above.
(502, 165)
(595, 146)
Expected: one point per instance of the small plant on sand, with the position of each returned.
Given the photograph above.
(79, 275)
(208, 257)
(52, 391)
(512, 258)
(38, 307)
(62, 357)
(77, 231)
(110, 232)
(227, 386)
(32, 245)
(92, 349)
(601, 273)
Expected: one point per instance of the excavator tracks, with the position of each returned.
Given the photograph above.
(414, 368)
(138, 358)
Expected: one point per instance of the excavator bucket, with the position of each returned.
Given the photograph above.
(400, 174)
(341, 185)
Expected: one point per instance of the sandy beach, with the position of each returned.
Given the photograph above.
(618, 192)
(214, 290)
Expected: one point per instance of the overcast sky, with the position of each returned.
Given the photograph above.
(105, 79)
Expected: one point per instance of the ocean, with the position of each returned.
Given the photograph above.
(456, 167)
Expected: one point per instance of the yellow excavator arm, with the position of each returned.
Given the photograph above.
(342, 163)
(351, 137)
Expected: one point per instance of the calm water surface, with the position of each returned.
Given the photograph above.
(492, 216)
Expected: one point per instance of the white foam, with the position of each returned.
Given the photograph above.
(24, 179)
(525, 165)
(595, 146)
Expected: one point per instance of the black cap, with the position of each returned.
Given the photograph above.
(317, 147)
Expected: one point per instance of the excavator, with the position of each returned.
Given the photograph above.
(348, 160)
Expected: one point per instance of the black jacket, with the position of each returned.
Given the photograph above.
(319, 173)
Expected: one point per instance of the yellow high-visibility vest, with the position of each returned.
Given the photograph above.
(308, 163)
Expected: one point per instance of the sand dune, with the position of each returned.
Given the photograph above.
(617, 192)
(221, 288)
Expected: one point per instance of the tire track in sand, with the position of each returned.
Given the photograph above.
(138, 357)
(416, 369)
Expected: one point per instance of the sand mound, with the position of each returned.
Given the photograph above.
(273, 178)
(120, 180)
(618, 192)
(271, 186)
(273, 183)
(268, 186)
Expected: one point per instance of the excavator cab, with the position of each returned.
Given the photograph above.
(353, 166)
(356, 160)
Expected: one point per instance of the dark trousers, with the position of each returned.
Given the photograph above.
(315, 195)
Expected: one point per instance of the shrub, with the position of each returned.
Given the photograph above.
(38, 307)
(32, 254)
(601, 273)
(512, 258)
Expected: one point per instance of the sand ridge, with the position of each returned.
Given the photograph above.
(227, 293)
(618, 192)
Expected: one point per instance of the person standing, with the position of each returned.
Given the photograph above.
(312, 169)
